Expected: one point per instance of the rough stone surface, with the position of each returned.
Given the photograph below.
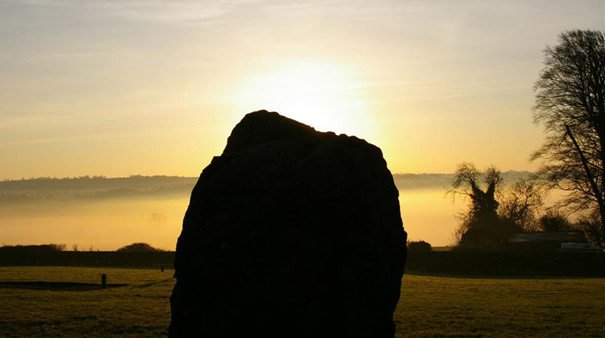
(290, 233)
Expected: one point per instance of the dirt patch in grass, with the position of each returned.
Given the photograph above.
(56, 286)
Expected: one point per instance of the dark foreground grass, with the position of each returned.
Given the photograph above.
(140, 309)
(429, 307)
(501, 307)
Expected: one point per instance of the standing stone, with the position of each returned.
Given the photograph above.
(290, 233)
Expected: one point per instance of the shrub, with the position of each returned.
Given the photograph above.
(554, 221)
(138, 247)
(33, 248)
(592, 227)
(419, 246)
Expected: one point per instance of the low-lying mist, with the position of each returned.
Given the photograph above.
(98, 213)
(94, 213)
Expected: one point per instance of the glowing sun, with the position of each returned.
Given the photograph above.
(322, 95)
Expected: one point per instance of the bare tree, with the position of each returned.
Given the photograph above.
(570, 105)
(519, 205)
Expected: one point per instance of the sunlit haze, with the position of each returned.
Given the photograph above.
(135, 87)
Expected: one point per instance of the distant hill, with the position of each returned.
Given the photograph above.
(100, 187)
(96, 187)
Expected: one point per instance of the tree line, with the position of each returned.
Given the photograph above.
(134, 247)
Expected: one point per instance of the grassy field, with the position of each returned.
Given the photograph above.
(499, 307)
(430, 306)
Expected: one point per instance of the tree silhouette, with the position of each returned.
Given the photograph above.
(520, 205)
(493, 216)
(570, 105)
(480, 224)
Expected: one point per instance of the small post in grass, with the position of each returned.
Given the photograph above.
(103, 281)
(161, 268)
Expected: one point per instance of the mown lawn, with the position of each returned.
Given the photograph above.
(430, 306)
(501, 307)
(141, 309)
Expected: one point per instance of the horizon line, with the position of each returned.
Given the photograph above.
(6, 179)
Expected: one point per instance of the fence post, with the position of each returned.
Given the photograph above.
(103, 281)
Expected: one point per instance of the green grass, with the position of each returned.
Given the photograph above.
(430, 306)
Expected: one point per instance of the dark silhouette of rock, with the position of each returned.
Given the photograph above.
(290, 233)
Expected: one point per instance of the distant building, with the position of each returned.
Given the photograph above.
(548, 240)
(580, 247)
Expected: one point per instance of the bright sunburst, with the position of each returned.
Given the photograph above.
(322, 95)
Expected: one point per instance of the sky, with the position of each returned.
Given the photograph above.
(148, 87)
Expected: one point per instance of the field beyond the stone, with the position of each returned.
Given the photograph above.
(430, 306)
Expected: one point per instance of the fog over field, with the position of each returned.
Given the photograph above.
(107, 213)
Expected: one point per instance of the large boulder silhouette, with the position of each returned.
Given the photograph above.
(290, 233)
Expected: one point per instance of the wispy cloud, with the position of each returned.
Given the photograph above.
(153, 11)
